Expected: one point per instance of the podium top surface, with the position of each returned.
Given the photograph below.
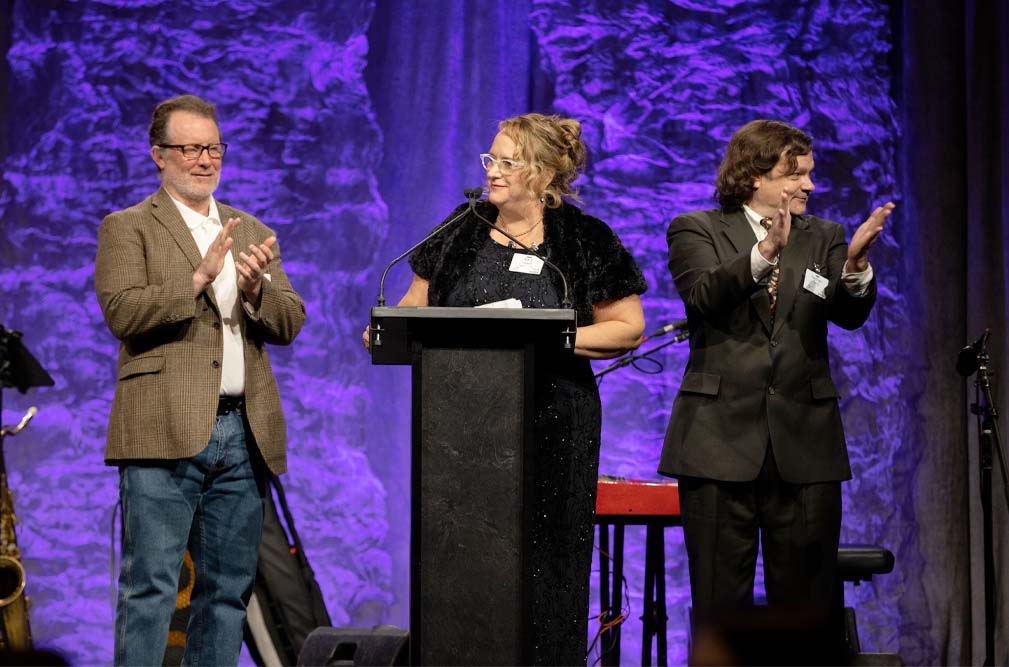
(395, 331)
(446, 313)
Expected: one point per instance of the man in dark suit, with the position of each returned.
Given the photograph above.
(194, 290)
(755, 436)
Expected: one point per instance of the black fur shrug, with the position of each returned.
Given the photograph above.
(597, 266)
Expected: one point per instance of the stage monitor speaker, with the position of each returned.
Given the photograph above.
(382, 646)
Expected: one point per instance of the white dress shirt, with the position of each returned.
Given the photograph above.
(857, 283)
(204, 230)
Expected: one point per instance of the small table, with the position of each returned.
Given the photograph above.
(655, 505)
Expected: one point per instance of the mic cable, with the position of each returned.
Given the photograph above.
(566, 301)
(679, 326)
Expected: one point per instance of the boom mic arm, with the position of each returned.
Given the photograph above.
(566, 301)
(472, 194)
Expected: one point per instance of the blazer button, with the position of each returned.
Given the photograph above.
(216, 364)
(774, 343)
(217, 325)
(770, 390)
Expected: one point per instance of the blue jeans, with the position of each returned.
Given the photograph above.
(212, 503)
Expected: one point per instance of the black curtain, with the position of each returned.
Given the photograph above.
(953, 96)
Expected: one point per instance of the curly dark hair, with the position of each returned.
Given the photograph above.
(157, 132)
(753, 151)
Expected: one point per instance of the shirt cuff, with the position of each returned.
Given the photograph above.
(857, 284)
(251, 310)
(758, 265)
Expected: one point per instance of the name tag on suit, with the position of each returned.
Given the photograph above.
(815, 283)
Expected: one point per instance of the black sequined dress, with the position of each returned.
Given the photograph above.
(465, 267)
(567, 427)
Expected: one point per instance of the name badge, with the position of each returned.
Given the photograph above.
(523, 263)
(815, 283)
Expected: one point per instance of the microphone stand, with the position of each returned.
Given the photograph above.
(568, 333)
(630, 359)
(472, 195)
(988, 440)
(566, 301)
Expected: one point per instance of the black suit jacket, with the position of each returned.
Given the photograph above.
(745, 384)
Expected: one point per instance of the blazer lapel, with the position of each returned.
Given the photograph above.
(164, 211)
(794, 259)
(761, 302)
(737, 229)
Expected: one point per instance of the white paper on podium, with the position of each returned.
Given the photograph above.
(507, 303)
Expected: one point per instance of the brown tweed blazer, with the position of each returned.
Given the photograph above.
(169, 370)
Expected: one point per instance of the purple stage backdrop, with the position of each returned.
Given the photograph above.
(350, 166)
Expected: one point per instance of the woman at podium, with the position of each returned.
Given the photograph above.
(497, 258)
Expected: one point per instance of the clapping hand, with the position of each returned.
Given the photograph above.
(252, 267)
(865, 236)
(213, 260)
(777, 233)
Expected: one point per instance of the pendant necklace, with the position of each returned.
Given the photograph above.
(535, 246)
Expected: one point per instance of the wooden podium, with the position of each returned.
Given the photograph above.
(472, 445)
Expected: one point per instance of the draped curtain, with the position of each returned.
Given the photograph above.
(953, 99)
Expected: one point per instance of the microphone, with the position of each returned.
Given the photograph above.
(472, 194)
(968, 360)
(678, 325)
(566, 301)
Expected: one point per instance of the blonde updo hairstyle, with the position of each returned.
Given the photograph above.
(545, 144)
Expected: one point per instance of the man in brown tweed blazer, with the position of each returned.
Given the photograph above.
(196, 419)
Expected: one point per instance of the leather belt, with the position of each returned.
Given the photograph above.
(226, 404)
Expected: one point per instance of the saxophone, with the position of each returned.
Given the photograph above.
(15, 633)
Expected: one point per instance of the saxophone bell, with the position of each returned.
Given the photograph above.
(12, 580)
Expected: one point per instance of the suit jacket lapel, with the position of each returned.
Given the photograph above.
(164, 211)
(761, 302)
(740, 234)
(737, 229)
(794, 259)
